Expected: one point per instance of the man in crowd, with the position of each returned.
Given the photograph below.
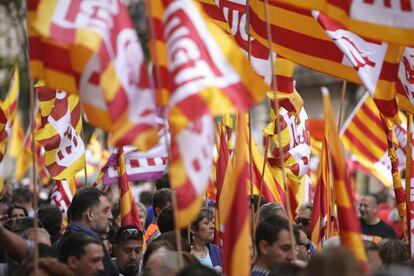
(82, 253)
(128, 250)
(371, 225)
(90, 213)
(273, 244)
(161, 200)
(23, 197)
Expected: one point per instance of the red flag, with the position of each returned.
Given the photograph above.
(129, 212)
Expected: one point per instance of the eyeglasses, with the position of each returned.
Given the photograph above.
(302, 221)
(131, 234)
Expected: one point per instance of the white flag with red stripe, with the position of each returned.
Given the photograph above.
(62, 195)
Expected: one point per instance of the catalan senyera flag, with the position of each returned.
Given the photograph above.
(234, 211)
(230, 16)
(8, 111)
(390, 21)
(62, 195)
(357, 59)
(24, 158)
(60, 133)
(128, 208)
(16, 143)
(365, 124)
(349, 226)
(376, 62)
(223, 166)
(321, 223)
(298, 37)
(92, 49)
(215, 78)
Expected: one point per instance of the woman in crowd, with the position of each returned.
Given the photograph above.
(202, 234)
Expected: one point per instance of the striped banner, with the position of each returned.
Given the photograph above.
(8, 111)
(128, 208)
(234, 211)
(231, 17)
(349, 226)
(24, 158)
(321, 223)
(391, 21)
(73, 47)
(60, 133)
(365, 124)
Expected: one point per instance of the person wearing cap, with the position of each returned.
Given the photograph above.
(128, 250)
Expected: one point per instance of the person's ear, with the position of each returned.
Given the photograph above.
(115, 249)
(89, 214)
(263, 247)
(157, 211)
(72, 262)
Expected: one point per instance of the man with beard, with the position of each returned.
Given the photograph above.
(128, 250)
(371, 224)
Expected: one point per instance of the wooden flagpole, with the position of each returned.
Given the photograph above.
(32, 127)
(33, 146)
(408, 176)
(278, 129)
(249, 57)
(151, 27)
(341, 107)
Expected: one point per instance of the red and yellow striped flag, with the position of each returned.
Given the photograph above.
(349, 226)
(321, 222)
(8, 111)
(223, 166)
(93, 50)
(365, 124)
(231, 16)
(234, 210)
(381, 20)
(129, 212)
(24, 158)
(60, 133)
(206, 75)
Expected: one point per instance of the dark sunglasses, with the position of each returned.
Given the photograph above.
(131, 234)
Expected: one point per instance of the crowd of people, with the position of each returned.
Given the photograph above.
(92, 241)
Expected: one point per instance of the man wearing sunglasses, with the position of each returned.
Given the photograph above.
(128, 250)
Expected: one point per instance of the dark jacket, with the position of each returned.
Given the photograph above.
(216, 254)
(110, 268)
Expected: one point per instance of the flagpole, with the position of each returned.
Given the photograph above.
(278, 129)
(167, 144)
(249, 57)
(86, 161)
(262, 177)
(341, 107)
(408, 175)
(331, 196)
(33, 146)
